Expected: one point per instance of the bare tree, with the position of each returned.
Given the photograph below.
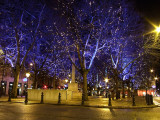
(22, 37)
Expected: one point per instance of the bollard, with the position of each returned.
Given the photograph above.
(0, 92)
(123, 95)
(26, 98)
(146, 99)
(133, 100)
(112, 93)
(151, 100)
(106, 95)
(10, 93)
(109, 104)
(82, 99)
(42, 95)
(59, 98)
(117, 95)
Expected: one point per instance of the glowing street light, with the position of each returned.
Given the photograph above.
(31, 64)
(156, 78)
(106, 80)
(27, 75)
(157, 29)
(66, 80)
(26, 93)
(151, 70)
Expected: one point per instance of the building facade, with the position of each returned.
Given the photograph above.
(7, 80)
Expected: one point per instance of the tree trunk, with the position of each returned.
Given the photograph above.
(54, 80)
(85, 91)
(35, 80)
(112, 95)
(117, 85)
(116, 74)
(129, 92)
(123, 91)
(15, 85)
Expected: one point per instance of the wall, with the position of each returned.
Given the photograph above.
(49, 94)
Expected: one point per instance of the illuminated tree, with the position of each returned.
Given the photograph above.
(123, 41)
(85, 25)
(20, 26)
(94, 27)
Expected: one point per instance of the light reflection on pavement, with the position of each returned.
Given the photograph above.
(19, 111)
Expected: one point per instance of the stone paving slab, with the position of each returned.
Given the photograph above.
(92, 102)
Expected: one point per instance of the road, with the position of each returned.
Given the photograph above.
(19, 111)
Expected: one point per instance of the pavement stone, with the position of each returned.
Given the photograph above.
(98, 102)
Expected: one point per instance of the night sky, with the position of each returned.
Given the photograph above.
(149, 9)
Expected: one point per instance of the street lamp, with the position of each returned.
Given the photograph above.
(106, 87)
(66, 80)
(151, 70)
(26, 94)
(156, 78)
(31, 64)
(157, 29)
(147, 84)
(106, 80)
(27, 75)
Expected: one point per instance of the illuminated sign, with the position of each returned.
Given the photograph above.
(25, 79)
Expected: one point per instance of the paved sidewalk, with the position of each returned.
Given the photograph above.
(96, 101)
(157, 101)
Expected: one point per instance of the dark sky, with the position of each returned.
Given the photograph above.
(149, 9)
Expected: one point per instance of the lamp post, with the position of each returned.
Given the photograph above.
(106, 81)
(26, 94)
(156, 78)
(147, 85)
(151, 74)
(27, 75)
(66, 80)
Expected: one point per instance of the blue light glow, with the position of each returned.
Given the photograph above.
(24, 79)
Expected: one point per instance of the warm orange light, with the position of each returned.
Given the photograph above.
(45, 86)
(151, 70)
(157, 29)
(155, 78)
(106, 80)
(31, 64)
(66, 80)
(27, 74)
